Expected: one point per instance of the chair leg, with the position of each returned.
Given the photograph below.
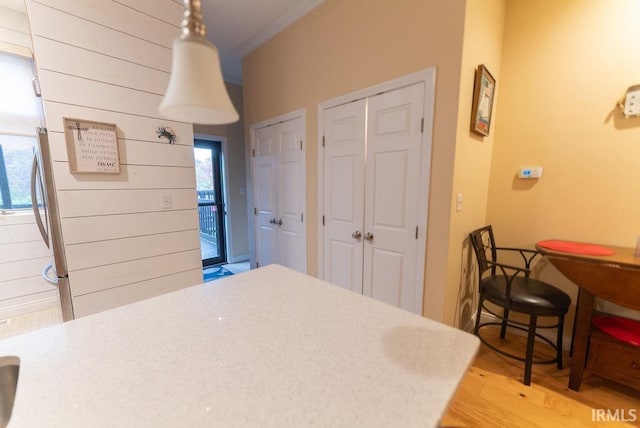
(505, 320)
(531, 336)
(559, 341)
(478, 314)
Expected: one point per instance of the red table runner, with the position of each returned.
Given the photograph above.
(576, 247)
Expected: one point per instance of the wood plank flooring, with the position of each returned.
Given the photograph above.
(492, 393)
(29, 322)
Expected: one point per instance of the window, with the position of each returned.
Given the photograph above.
(20, 115)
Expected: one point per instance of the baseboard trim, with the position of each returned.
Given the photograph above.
(238, 259)
(547, 333)
(25, 308)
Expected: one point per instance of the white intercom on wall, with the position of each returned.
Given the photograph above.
(631, 104)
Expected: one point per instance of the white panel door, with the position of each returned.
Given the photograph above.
(265, 181)
(280, 193)
(394, 148)
(344, 148)
(291, 180)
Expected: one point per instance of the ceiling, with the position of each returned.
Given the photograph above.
(237, 27)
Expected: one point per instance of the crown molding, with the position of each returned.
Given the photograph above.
(270, 30)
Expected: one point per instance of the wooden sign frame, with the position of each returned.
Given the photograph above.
(92, 146)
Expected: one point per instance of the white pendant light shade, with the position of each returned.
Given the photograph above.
(196, 92)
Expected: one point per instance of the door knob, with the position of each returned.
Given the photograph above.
(272, 221)
(279, 222)
(356, 235)
(368, 236)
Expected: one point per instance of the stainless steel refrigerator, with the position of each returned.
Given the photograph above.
(45, 210)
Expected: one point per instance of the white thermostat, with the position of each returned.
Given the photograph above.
(530, 172)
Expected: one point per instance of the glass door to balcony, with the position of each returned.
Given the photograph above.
(211, 210)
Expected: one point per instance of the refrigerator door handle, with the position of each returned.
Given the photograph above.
(45, 275)
(34, 200)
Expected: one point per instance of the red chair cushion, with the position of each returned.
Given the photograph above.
(576, 247)
(624, 329)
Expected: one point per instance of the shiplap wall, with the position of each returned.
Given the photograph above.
(14, 28)
(23, 255)
(109, 61)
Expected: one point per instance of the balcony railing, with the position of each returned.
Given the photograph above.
(207, 214)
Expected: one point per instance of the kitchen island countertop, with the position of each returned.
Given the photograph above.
(270, 347)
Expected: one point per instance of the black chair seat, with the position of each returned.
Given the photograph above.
(527, 295)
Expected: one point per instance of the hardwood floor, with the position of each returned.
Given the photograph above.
(492, 393)
(29, 322)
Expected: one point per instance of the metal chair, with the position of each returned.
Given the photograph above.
(512, 289)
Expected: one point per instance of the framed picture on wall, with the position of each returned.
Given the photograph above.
(92, 146)
(484, 89)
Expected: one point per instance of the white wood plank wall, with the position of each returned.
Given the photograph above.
(23, 255)
(14, 29)
(109, 61)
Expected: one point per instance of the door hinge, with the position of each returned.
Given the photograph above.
(323, 220)
(422, 126)
(302, 217)
(253, 152)
(255, 211)
(323, 141)
(416, 232)
(257, 264)
(300, 144)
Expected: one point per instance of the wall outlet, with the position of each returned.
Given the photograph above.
(166, 201)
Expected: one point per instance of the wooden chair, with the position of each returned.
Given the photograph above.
(511, 288)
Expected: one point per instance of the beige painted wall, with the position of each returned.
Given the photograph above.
(236, 176)
(483, 38)
(564, 67)
(342, 46)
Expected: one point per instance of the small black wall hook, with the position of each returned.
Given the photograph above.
(166, 133)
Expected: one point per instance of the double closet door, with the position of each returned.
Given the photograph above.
(279, 194)
(372, 166)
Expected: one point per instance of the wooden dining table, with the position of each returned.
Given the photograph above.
(614, 277)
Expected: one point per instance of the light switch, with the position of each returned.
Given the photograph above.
(459, 202)
(167, 201)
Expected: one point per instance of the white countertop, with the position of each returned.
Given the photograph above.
(270, 347)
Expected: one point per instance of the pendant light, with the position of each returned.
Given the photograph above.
(196, 91)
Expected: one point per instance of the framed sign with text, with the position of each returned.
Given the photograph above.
(92, 146)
